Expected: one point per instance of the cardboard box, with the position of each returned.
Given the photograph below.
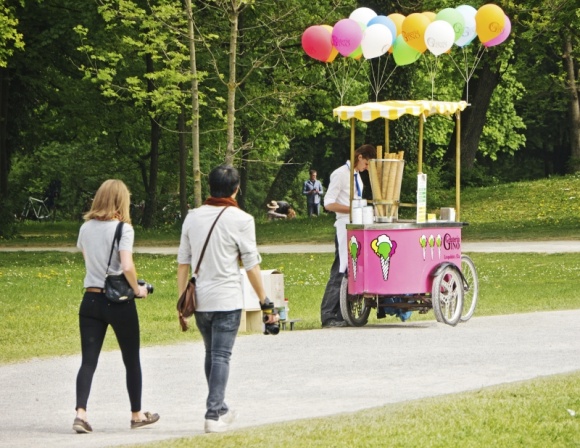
(251, 321)
(273, 284)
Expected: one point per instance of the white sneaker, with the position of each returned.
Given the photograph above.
(222, 424)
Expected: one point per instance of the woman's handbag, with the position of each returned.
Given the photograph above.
(117, 288)
(187, 302)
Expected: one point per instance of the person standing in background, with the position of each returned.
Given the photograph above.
(312, 190)
(337, 200)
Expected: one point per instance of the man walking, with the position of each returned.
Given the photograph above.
(312, 190)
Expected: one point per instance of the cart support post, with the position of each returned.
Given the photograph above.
(387, 138)
(458, 165)
(352, 149)
(420, 148)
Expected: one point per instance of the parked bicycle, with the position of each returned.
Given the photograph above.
(36, 209)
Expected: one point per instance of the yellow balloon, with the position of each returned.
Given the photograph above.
(413, 31)
(334, 51)
(430, 15)
(398, 21)
(489, 22)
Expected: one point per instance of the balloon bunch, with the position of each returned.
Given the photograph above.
(366, 34)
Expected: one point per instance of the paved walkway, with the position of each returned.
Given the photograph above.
(294, 375)
(484, 246)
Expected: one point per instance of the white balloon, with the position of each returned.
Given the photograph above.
(468, 13)
(362, 15)
(376, 41)
(439, 37)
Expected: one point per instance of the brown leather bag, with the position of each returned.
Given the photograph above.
(187, 303)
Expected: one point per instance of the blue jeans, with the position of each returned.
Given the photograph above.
(219, 330)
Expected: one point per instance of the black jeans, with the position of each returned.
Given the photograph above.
(330, 306)
(95, 315)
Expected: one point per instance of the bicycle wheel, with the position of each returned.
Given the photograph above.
(353, 307)
(447, 296)
(470, 287)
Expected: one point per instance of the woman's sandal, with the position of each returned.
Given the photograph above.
(149, 420)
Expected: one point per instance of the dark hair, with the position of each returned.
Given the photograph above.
(366, 151)
(313, 172)
(223, 181)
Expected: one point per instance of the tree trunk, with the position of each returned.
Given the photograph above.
(4, 159)
(244, 170)
(574, 107)
(194, 110)
(181, 129)
(155, 137)
(474, 116)
(232, 82)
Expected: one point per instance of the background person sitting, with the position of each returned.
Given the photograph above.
(280, 210)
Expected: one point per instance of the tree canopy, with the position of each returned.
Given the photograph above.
(133, 89)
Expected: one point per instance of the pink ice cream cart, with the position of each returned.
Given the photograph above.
(404, 265)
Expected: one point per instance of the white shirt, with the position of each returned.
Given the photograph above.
(339, 188)
(219, 282)
(339, 192)
(95, 240)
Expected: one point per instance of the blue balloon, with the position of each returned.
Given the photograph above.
(383, 20)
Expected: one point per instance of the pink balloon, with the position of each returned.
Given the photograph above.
(505, 32)
(316, 42)
(346, 36)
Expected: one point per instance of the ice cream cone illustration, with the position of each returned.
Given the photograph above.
(353, 248)
(438, 244)
(423, 243)
(431, 244)
(385, 249)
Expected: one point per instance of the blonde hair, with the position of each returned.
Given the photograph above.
(111, 201)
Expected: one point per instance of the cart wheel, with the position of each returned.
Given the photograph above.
(470, 287)
(353, 307)
(447, 296)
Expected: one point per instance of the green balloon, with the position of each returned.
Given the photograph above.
(454, 18)
(403, 53)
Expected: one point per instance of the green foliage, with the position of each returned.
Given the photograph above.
(10, 38)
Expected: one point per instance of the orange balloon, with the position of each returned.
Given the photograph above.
(398, 21)
(489, 22)
(430, 15)
(334, 51)
(413, 31)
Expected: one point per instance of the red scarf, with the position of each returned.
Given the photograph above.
(221, 201)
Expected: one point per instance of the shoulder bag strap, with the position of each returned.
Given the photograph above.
(207, 239)
(116, 238)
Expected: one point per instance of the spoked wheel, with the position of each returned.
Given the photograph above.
(353, 307)
(447, 296)
(470, 287)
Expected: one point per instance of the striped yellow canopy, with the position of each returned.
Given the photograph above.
(393, 110)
